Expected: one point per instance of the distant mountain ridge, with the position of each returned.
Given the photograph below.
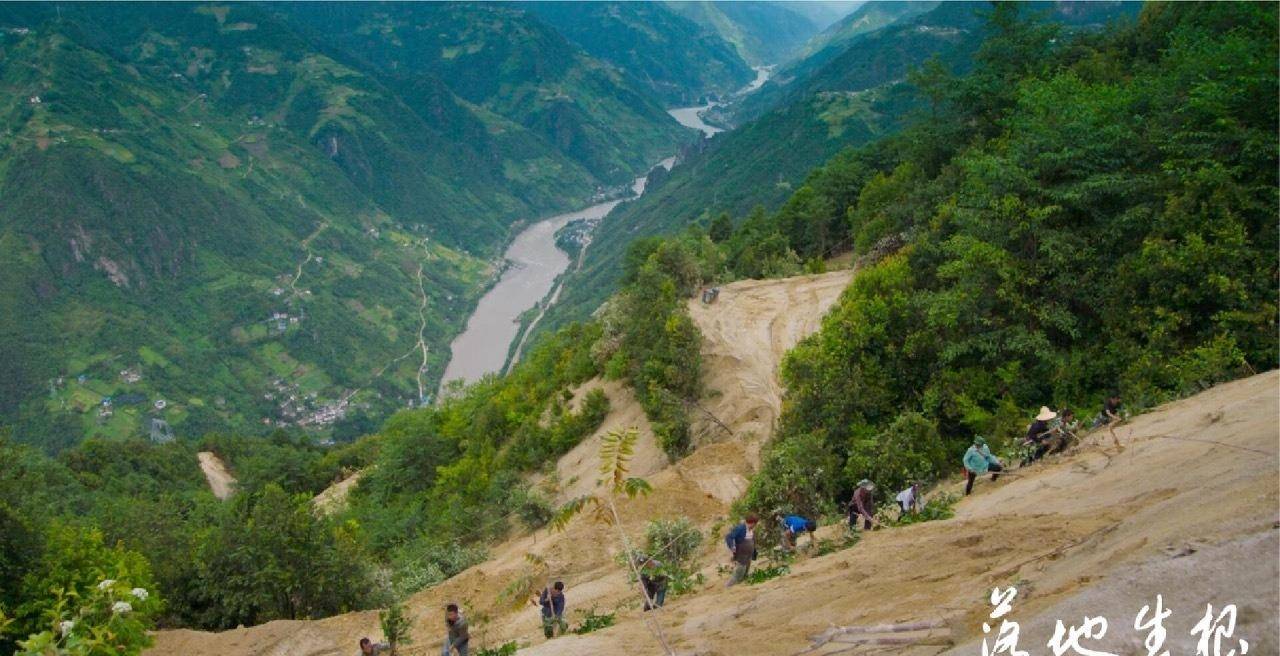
(764, 33)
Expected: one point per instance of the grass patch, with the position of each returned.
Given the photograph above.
(593, 621)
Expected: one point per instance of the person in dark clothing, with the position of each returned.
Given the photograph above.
(1062, 431)
(742, 545)
(653, 581)
(552, 602)
(1111, 416)
(371, 648)
(458, 637)
(1038, 434)
(863, 505)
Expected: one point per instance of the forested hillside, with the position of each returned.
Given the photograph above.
(1071, 215)
(764, 33)
(861, 95)
(217, 217)
(499, 58)
(1078, 217)
(680, 61)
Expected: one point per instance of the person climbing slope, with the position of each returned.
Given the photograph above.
(863, 505)
(741, 541)
(978, 461)
(792, 527)
(371, 648)
(1111, 416)
(458, 636)
(909, 500)
(552, 602)
(653, 581)
(1038, 434)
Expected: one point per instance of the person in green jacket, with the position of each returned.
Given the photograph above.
(978, 461)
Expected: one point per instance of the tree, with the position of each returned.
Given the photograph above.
(616, 449)
(721, 228)
(395, 626)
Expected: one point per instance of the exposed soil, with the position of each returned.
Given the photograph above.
(1189, 509)
(221, 482)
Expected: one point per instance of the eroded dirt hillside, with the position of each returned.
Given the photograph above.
(1188, 510)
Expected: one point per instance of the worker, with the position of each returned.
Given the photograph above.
(552, 602)
(1111, 416)
(741, 541)
(458, 636)
(978, 461)
(653, 580)
(909, 500)
(1038, 434)
(371, 648)
(792, 527)
(863, 505)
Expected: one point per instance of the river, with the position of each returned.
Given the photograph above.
(534, 263)
(692, 116)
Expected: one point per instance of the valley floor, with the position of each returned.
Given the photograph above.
(1188, 510)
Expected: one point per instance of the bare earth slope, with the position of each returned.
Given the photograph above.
(221, 482)
(1090, 532)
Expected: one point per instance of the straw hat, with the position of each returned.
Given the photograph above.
(1045, 414)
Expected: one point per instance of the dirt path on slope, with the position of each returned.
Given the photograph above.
(221, 482)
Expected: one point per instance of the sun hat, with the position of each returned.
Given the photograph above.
(866, 483)
(1045, 414)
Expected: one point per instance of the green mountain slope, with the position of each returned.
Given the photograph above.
(835, 39)
(211, 218)
(675, 58)
(501, 59)
(824, 13)
(764, 33)
(854, 98)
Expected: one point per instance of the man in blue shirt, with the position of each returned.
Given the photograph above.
(792, 527)
(552, 602)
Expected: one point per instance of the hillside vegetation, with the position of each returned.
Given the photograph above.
(817, 107)
(678, 60)
(226, 217)
(1079, 213)
(763, 33)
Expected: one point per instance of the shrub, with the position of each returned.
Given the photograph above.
(593, 621)
(395, 626)
(533, 509)
(109, 619)
(505, 649)
(797, 473)
(941, 506)
(909, 449)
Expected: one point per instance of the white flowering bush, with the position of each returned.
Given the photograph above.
(109, 619)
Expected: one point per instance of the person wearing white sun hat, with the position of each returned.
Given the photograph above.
(1037, 433)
